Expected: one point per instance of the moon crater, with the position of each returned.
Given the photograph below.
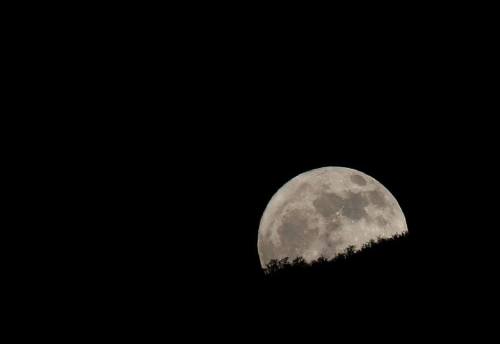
(354, 206)
(357, 179)
(328, 204)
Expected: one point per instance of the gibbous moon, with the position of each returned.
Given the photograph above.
(321, 212)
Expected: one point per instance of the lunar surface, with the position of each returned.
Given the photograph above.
(321, 212)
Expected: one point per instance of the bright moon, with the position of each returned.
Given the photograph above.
(321, 212)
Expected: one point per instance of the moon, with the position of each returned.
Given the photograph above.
(321, 212)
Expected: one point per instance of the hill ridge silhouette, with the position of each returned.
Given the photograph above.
(381, 255)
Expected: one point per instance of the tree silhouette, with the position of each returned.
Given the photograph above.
(389, 255)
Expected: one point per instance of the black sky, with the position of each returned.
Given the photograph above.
(196, 174)
(184, 129)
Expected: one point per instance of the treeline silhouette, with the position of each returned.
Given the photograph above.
(383, 274)
(388, 279)
(384, 266)
(299, 263)
(372, 252)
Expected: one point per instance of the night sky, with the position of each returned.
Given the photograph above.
(174, 133)
(193, 183)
